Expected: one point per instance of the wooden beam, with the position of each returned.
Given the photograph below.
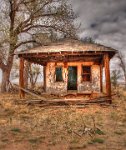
(107, 75)
(44, 74)
(101, 78)
(64, 59)
(47, 56)
(29, 92)
(21, 78)
(41, 54)
(26, 73)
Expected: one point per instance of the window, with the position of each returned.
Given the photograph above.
(86, 73)
(58, 73)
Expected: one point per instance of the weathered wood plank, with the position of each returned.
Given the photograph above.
(44, 73)
(107, 75)
(68, 102)
(88, 53)
(21, 78)
(101, 78)
(27, 91)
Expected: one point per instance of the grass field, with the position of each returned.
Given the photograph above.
(94, 127)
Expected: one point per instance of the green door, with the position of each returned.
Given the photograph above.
(72, 78)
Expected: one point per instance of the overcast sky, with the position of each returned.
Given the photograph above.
(103, 20)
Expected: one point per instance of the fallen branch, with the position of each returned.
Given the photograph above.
(77, 134)
(62, 102)
(31, 93)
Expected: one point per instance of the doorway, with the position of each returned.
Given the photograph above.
(72, 78)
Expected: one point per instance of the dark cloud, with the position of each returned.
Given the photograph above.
(103, 20)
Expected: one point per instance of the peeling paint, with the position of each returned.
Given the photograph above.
(53, 87)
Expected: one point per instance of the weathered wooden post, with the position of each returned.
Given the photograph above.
(107, 75)
(26, 73)
(21, 78)
(101, 78)
(44, 75)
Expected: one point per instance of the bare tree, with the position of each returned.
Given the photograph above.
(34, 73)
(88, 40)
(115, 76)
(22, 20)
(122, 64)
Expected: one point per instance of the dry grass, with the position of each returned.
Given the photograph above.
(25, 127)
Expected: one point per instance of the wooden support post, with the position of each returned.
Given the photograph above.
(26, 73)
(21, 78)
(101, 78)
(44, 74)
(107, 75)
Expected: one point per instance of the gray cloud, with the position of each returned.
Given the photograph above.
(103, 20)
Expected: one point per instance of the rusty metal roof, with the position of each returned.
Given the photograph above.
(68, 46)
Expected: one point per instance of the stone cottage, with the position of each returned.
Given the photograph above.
(71, 65)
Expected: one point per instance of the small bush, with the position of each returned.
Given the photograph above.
(97, 140)
(34, 140)
(16, 130)
(100, 132)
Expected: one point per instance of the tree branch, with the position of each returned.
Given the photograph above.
(26, 42)
(46, 26)
(31, 17)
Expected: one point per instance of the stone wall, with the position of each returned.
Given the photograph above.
(54, 87)
(94, 85)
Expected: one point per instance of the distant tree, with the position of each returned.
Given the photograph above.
(34, 72)
(88, 40)
(23, 21)
(122, 64)
(115, 76)
(31, 73)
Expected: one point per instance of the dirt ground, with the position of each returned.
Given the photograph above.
(93, 127)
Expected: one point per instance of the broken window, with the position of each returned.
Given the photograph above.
(86, 73)
(58, 72)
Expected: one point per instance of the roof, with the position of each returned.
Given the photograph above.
(69, 46)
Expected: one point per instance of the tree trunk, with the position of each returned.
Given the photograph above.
(5, 81)
(6, 74)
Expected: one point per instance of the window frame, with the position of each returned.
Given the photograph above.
(86, 73)
(61, 74)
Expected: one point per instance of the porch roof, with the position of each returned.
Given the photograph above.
(69, 45)
(67, 50)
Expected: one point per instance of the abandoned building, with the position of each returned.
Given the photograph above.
(71, 65)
